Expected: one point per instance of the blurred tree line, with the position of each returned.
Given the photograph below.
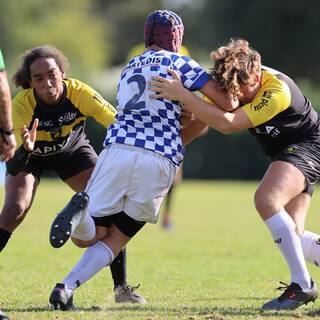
(97, 35)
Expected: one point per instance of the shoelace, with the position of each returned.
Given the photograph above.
(288, 291)
(129, 288)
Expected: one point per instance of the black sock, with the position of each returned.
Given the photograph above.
(118, 268)
(4, 238)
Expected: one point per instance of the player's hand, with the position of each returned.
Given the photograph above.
(29, 137)
(171, 89)
(8, 147)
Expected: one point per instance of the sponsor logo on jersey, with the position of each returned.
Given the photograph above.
(146, 62)
(267, 94)
(268, 130)
(261, 104)
(264, 101)
(291, 148)
(55, 133)
(45, 123)
(49, 150)
(69, 116)
(105, 103)
(278, 241)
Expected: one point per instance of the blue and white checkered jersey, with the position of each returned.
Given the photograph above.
(153, 124)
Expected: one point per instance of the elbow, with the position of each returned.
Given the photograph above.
(225, 128)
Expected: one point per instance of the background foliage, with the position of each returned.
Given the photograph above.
(97, 35)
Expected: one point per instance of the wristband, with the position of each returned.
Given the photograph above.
(6, 132)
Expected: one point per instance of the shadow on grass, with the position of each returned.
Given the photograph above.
(185, 311)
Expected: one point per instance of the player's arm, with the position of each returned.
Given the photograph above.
(220, 98)
(192, 131)
(7, 139)
(212, 115)
(94, 105)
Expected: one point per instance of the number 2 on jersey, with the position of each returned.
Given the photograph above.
(133, 103)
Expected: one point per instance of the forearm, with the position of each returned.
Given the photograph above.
(189, 133)
(19, 161)
(211, 115)
(5, 103)
(220, 98)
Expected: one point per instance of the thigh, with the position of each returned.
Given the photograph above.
(281, 183)
(79, 181)
(20, 191)
(21, 187)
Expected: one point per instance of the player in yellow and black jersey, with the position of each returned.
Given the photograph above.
(49, 117)
(288, 129)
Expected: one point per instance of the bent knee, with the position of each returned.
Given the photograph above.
(83, 243)
(265, 204)
(14, 210)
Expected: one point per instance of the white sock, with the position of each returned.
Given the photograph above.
(283, 231)
(86, 229)
(93, 260)
(311, 247)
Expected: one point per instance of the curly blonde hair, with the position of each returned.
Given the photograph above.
(235, 64)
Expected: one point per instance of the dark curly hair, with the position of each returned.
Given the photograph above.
(22, 77)
(235, 64)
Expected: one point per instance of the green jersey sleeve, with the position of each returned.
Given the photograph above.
(2, 65)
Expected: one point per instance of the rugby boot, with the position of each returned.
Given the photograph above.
(125, 293)
(61, 298)
(68, 219)
(293, 297)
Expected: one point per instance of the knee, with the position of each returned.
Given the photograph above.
(82, 243)
(265, 204)
(13, 212)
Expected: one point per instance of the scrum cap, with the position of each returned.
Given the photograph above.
(165, 29)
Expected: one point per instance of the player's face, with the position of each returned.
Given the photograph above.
(46, 79)
(249, 91)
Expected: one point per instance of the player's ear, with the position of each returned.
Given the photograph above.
(258, 77)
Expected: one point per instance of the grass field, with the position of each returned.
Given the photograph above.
(220, 262)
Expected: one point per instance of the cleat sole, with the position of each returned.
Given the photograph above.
(61, 228)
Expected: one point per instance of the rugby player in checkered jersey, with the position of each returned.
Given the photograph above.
(143, 150)
(288, 129)
(51, 110)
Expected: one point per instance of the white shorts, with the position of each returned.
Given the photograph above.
(130, 179)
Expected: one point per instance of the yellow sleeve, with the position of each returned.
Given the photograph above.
(268, 102)
(206, 99)
(22, 113)
(91, 103)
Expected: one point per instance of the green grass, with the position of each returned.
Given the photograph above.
(220, 262)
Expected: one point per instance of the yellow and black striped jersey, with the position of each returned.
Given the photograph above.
(280, 113)
(61, 126)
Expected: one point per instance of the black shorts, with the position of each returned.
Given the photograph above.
(65, 165)
(126, 224)
(304, 155)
